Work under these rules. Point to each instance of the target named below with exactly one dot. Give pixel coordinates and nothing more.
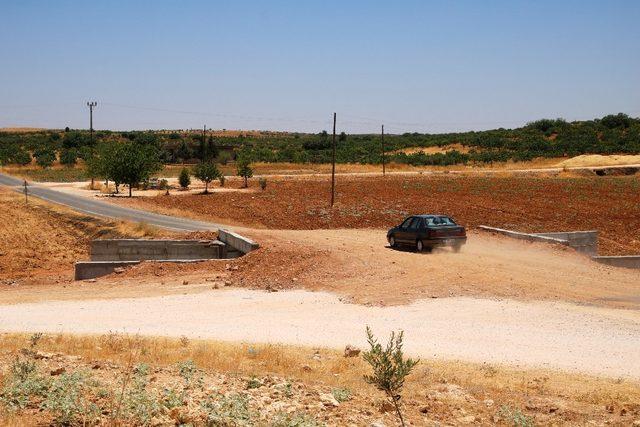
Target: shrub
(45, 157)
(263, 183)
(222, 180)
(65, 398)
(283, 419)
(68, 156)
(22, 384)
(185, 178)
(341, 394)
(390, 368)
(515, 417)
(231, 410)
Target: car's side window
(406, 223)
(415, 223)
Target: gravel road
(523, 334)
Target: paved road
(95, 207)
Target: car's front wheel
(392, 241)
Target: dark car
(425, 232)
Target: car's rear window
(445, 220)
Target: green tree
(184, 179)
(45, 157)
(206, 172)
(390, 368)
(244, 170)
(68, 156)
(19, 155)
(129, 162)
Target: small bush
(66, 400)
(390, 368)
(222, 179)
(263, 183)
(185, 178)
(231, 410)
(22, 384)
(282, 419)
(341, 394)
(515, 417)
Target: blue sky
(427, 66)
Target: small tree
(68, 156)
(222, 179)
(184, 179)
(206, 172)
(263, 183)
(45, 157)
(389, 367)
(245, 171)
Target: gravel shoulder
(522, 334)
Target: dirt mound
(587, 160)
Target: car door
(402, 235)
(413, 230)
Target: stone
(377, 423)
(58, 371)
(386, 406)
(118, 270)
(469, 419)
(306, 368)
(351, 351)
(327, 399)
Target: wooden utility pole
(91, 105)
(26, 192)
(382, 143)
(333, 162)
(204, 143)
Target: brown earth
(41, 241)
(610, 205)
(117, 371)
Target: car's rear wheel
(392, 241)
(419, 246)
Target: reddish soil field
(525, 203)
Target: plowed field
(525, 203)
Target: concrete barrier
(524, 236)
(92, 269)
(140, 250)
(236, 241)
(626, 261)
(585, 242)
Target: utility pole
(204, 143)
(333, 162)
(382, 143)
(91, 104)
(26, 192)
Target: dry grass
(443, 390)
(43, 238)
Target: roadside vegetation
(121, 379)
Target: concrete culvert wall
(140, 250)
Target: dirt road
(548, 335)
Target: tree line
(611, 134)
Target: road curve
(95, 207)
